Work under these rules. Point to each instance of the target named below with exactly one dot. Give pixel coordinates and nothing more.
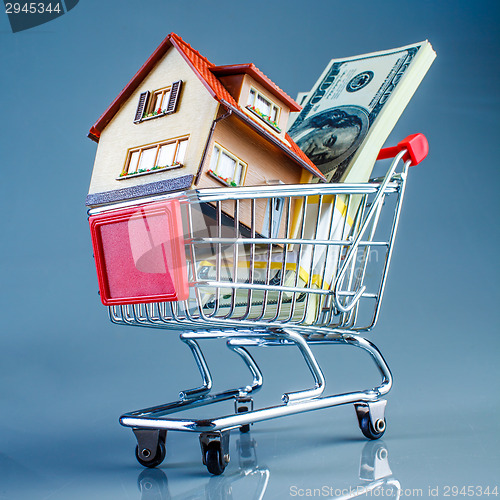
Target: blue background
(66, 373)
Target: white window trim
(239, 161)
(176, 163)
(148, 113)
(265, 118)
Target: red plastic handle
(416, 146)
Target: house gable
(196, 109)
(125, 138)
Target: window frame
(147, 102)
(125, 174)
(267, 119)
(238, 161)
(152, 100)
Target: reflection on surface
(153, 485)
(374, 470)
(250, 480)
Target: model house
(183, 123)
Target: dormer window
(264, 108)
(158, 103)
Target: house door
(272, 218)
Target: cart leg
(319, 379)
(371, 414)
(215, 451)
(150, 450)
(371, 418)
(257, 382)
(207, 383)
(378, 359)
(242, 405)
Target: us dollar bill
(354, 106)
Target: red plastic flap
(416, 146)
(139, 254)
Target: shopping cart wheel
(150, 450)
(371, 418)
(215, 451)
(213, 458)
(157, 459)
(368, 429)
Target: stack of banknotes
(353, 107)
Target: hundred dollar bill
(354, 105)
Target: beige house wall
(267, 164)
(196, 110)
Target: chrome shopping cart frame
(249, 292)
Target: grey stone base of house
(132, 192)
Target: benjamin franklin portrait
(331, 136)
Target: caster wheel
(145, 458)
(368, 429)
(214, 460)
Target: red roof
(256, 74)
(202, 67)
(206, 72)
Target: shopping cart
(312, 273)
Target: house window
(155, 157)
(158, 103)
(159, 100)
(264, 108)
(226, 167)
